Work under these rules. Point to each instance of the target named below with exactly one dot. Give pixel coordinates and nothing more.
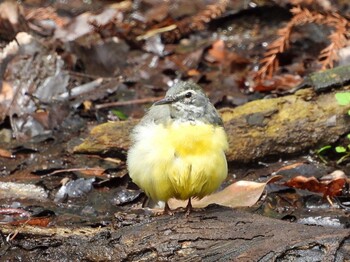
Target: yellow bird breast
(180, 160)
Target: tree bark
(213, 234)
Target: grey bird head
(186, 101)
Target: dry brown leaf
(280, 82)
(193, 72)
(239, 194)
(217, 52)
(292, 166)
(327, 188)
(96, 171)
(5, 153)
(34, 221)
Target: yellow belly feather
(179, 160)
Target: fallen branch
(213, 234)
(258, 129)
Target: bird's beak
(165, 100)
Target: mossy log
(258, 129)
(213, 234)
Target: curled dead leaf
(326, 187)
(239, 194)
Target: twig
(156, 31)
(73, 170)
(130, 102)
(14, 211)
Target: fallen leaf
(308, 183)
(42, 117)
(335, 187)
(37, 15)
(326, 187)
(217, 53)
(34, 221)
(292, 166)
(239, 194)
(281, 82)
(81, 24)
(232, 61)
(5, 153)
(334, 175)
(193, 72)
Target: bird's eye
(188, 95)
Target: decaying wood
(258, 129)
(213, 234)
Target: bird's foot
(167, 210)
(188, 208)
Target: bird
(178, 148)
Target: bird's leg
(167, 210)
(188, 208)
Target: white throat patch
(189, 112)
